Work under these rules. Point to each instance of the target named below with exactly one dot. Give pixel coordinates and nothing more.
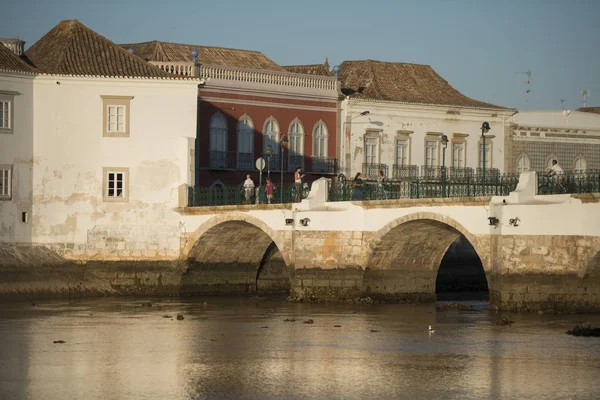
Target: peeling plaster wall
(389, 118)
(16, 150)
(70, 152)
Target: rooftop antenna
(528, 82)
(562, 103)
(585, 94)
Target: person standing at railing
(269, 190)
(381, 182)
(248, 188)
(556, 173)
(298, 184)
(357, 187)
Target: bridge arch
(405, 255)
(230, 252)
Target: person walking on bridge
(248, 189)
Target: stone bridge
(538, 252)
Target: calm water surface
(242, 348)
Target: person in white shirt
(248, 188)
(555, 169)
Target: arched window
(523, 164)
(296, 149)
(245, 130)
(580, 164)
(218, 141)
(271, 135)
(320, 140)
(549, 160)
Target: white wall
(16, 149)
(69, 213)
(392, 117)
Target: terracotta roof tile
(9, 61)
(310, 69)
(595, 110)
(72, 48)
(402, 82)
(176, 52)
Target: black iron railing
(323, 165)
(370, 171)
(423, 187)
(219, 195)
(222, 159)
(296, 162)
(573, 182)
(403, 172)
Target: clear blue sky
(476, 45)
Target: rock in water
(59, 341)
(308, 321)
(585, 330)
(505, 321)
(179, 317)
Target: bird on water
(431, 330)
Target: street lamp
(268, 152)
(485, 128)
(444, 141)
(283, 140)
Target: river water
(237, 348)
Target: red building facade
(251, 107)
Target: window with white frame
(115, 184)
(271, 135)
(320, 136)
(458, 155)
(431, 153)
(580, 164)
(245, 130)
(116, 116)
(5, 114)
(371, 149)
(5, 182)
(401, 152)
(485, 155)
(296, 149)
(523, 164)
(218, 133)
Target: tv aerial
(585, 94)
(562, 103)
(528, 82)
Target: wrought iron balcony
(273, 162)
(403, 172)
(491, 174)
(245, 161)
(459, 173)
(222, 159)
(295, 162)
(370, 171)
(428, 172)
(323, 165)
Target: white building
(394, 116)
(570, 137)
(97, 143)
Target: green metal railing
(220, 195)
(422, 187)
(578, 182)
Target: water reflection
(240, 348)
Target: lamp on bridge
(268, 153)
(282, 141)
(493, 221)
(485, 128)
(444, 141)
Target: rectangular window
(431, 153)
(401, 152)
(458, 155)
(488, 155)
(5, 182)
(371, 150)
(115, 184)
(5, 114)
(115, 116)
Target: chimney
(15, 45)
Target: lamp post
(283, 140)
(268, 152)
(444, 141)
(485, 128)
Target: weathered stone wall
(555, 273)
